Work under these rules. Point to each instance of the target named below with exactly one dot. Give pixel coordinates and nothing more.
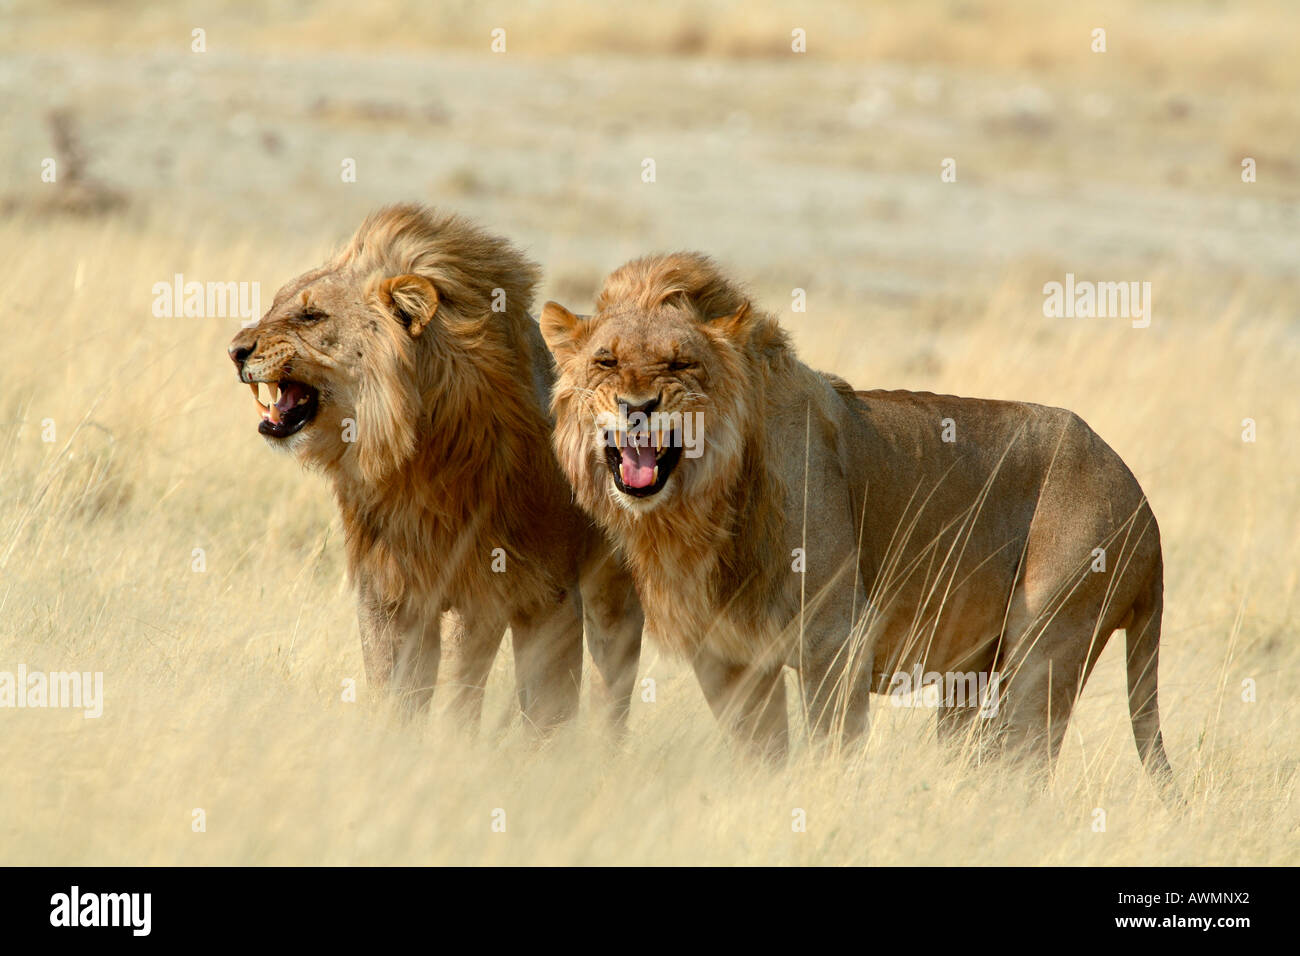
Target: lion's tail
(1143, 639)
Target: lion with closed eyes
(773, 516)
(408, 370)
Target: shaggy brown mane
(647, 283)
(465, 263)
(479, 435)
(729, 533)
(428, 412)
(746, 517)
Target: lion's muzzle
(290, 405)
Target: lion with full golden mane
(773, 516)
(408, 370)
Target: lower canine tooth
(656, 481)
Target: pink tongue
(638, 466)
(290, 392)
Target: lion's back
(1012, 465)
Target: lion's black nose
(645, 407)
(238, 353)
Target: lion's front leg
(749, 701)
(548, 661)
(836, 687)
(835, 664)
(476, 639)
(401, 648)
(614, 621)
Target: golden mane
(417, 383)
(478, 433)
(647, 283)
(466, 264)
(726, 534)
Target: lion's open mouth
(641, 462)
(289, 407)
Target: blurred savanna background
(146, 531)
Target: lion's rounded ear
(562, 330)
(737, 326)
(412, 299)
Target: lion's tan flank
(972, 555)
(409, 371)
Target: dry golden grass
(223, 688)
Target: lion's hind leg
(1048, 653)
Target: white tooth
(656, 481)
(274, 388)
